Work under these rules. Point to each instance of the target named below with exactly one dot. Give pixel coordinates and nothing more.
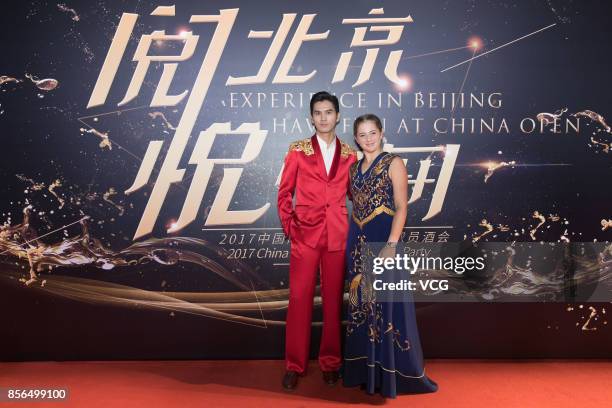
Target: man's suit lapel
(336, 161)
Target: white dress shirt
(327, 151)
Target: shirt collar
(323, 143)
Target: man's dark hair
(324, 96)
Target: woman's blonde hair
(364, 118)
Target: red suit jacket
(320, 199)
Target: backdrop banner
(143, 144)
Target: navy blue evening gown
(382, 350)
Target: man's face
(324, 116)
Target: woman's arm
(399, 178)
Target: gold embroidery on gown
(371, 198)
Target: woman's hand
(388, 251)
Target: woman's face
(369, 137)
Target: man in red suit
(316, 174)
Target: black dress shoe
(290, 380)
(331, 377)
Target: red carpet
(251, 384)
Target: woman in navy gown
(382, 349)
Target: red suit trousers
(304, 264)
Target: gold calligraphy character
(169, 172)
(450, 152)
(282, 74)
(393, 37)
